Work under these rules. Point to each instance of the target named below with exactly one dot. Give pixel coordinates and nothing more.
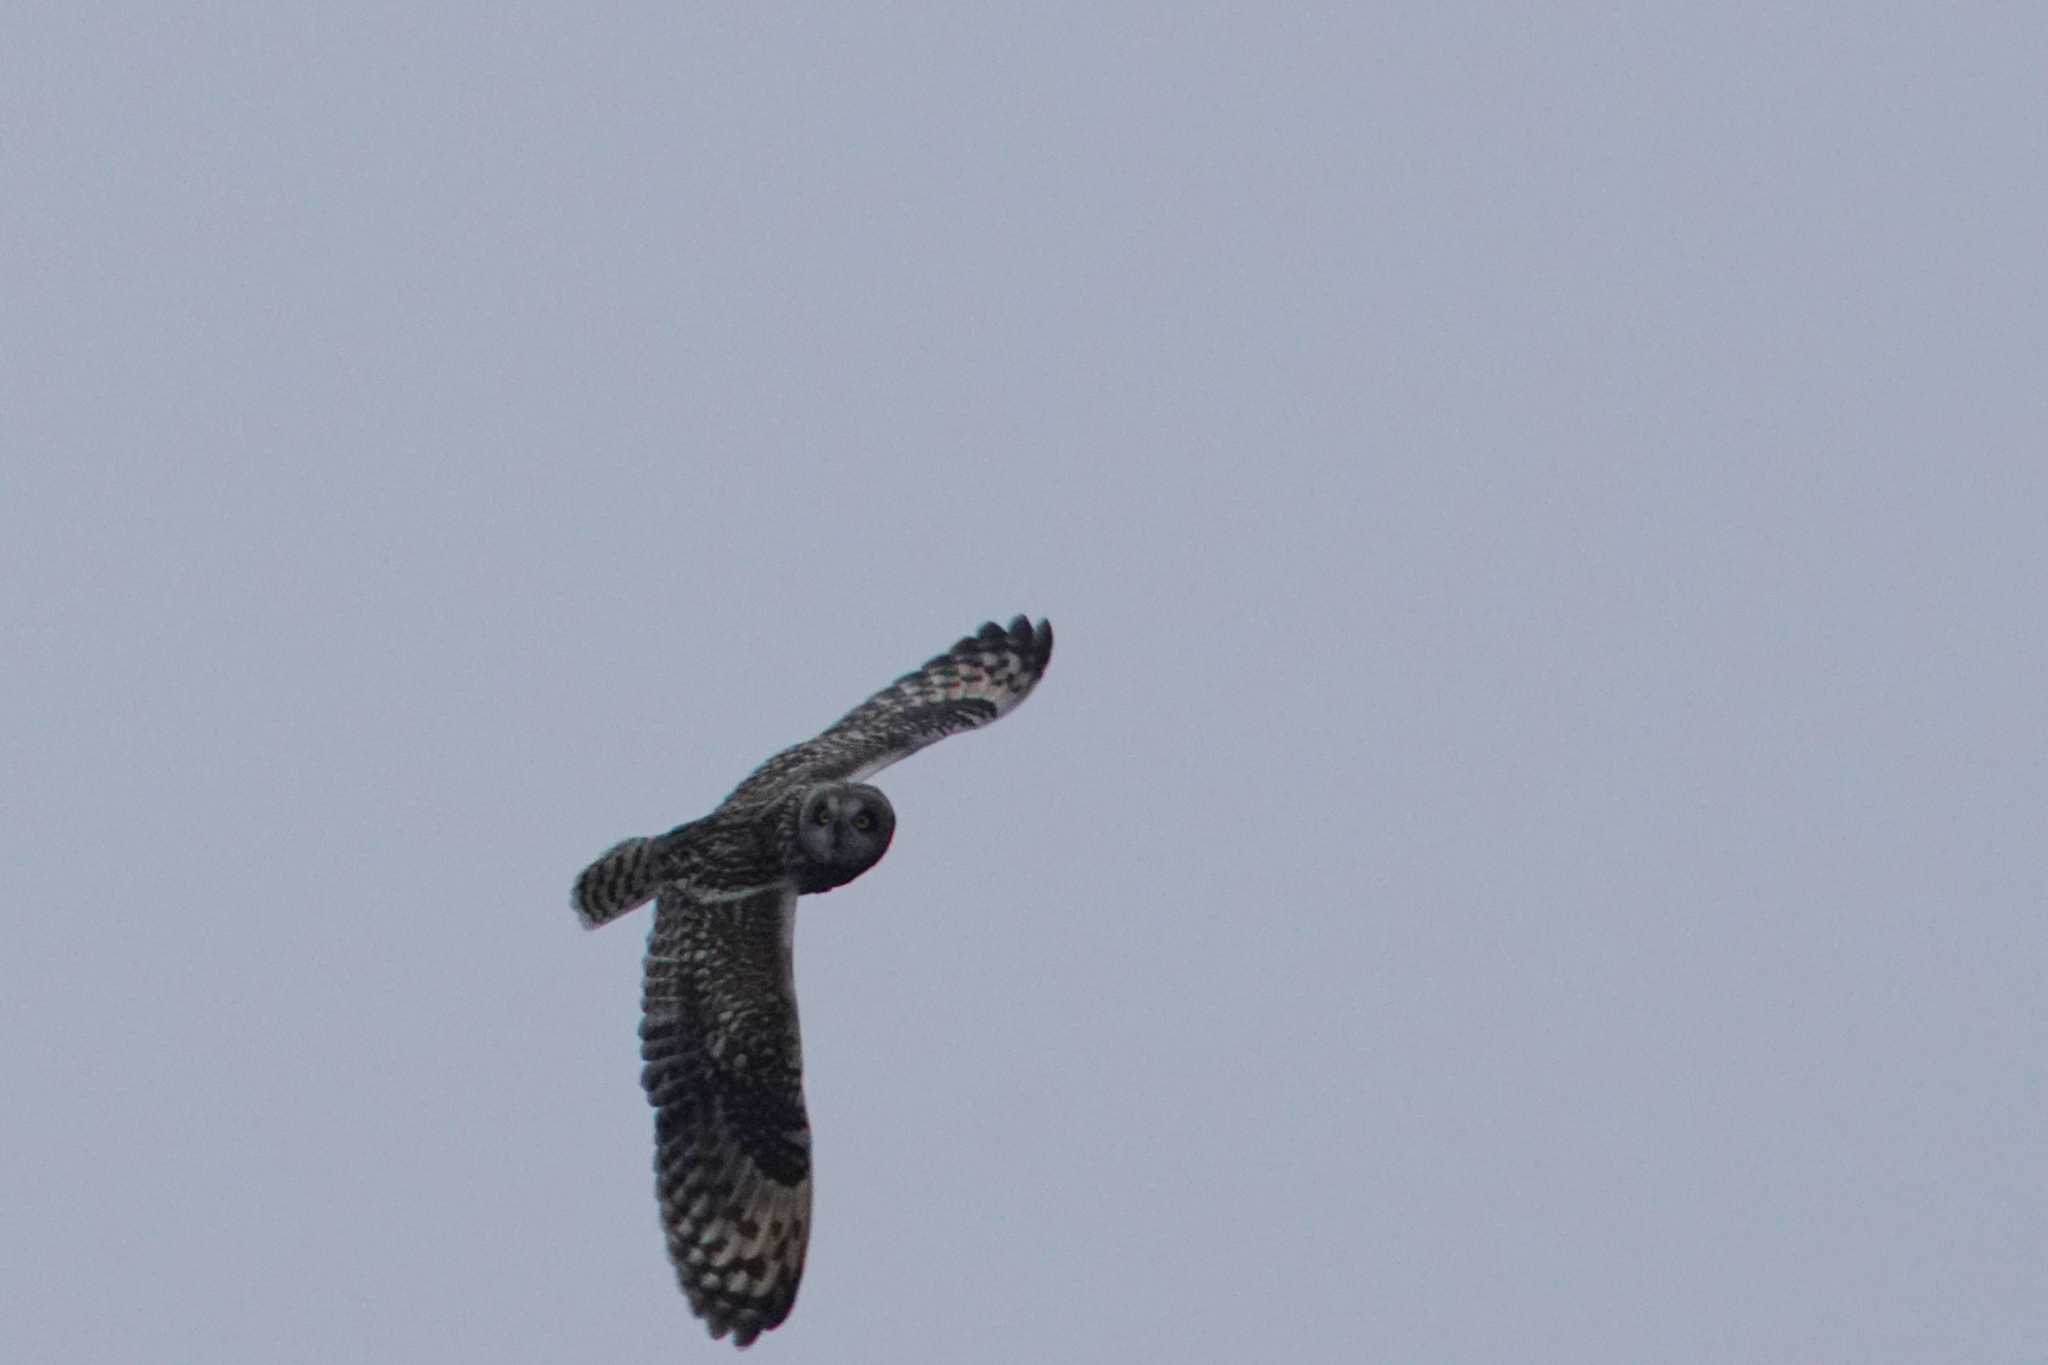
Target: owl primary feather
(722, 1064)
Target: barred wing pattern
(724, 1073)
(723, 1062)
(981, 678)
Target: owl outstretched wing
(981, 678)
(724, 1072)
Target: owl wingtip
(1034, 642)
(744, 1330)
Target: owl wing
(724, 1072)
(982, 677)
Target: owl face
(843, 829)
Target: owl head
(842, 830)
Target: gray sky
(1530, 847)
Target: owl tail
(627, 875)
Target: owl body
(810, 838)
(722, 1058)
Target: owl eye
(824, 815)
(863, 822)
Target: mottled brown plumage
(723, 1064)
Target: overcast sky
(1530, 848)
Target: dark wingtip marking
(1033, 642)
(745, 1319)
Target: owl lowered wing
(981, 678)
(724, 1072)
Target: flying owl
(723, 1065)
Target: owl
(722, 1064)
